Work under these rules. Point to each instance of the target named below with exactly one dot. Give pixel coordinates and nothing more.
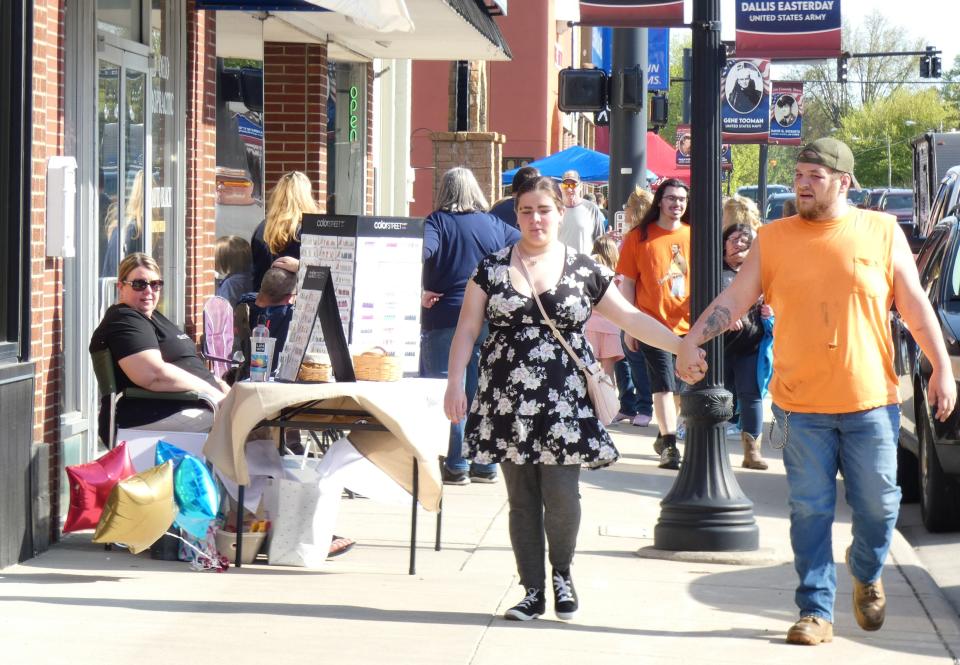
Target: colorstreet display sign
(786, 113)
(745, 103)
(632, 13)
(787, 29)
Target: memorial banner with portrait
(785, 29)
(683, 144)
(786, 113)
(745, 101)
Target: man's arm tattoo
(716, 323)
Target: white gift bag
(299, 533)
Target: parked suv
(751, 191)
(928, 454)
(945, 202)
(856, 197)
(872, 202)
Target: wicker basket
(315, 373)
(376, 365)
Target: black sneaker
(664, 441)
(529, 608)
(454, 477)
(488, 477)
(658, 444)
(565, 601)
(670, 458)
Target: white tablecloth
(410, 409)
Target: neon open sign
(354, 104)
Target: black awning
(477, 15)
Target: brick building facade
(128, 88)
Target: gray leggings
(542, 497)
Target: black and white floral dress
(531, 405)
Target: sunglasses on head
(142, 284)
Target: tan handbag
(600, 388)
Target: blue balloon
(195, 492)
(167, 451)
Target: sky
(933, 20)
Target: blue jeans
(632, 383)
(434, 356)
(864, 445)
(741, 380)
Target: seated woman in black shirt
(149, 351)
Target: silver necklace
(531, 261)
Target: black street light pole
(705, 509)
(628, 129)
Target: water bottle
(260, 352)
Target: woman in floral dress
(532, 414)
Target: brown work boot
(751, 452)
(869, 601)
(810, 631)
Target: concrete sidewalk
(80, 604)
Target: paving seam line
(903, 553)
(483, 535)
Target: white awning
(442, 30)
(382, 16)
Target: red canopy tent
(661, 156)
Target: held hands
(429, 298)
(766, 311)
(942, 393)
(455, 402)
(691, 363)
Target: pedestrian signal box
(582, 90)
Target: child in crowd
(232, 262)
(603, 336)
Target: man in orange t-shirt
(654, 262)
(832, 273)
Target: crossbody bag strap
(546, 319)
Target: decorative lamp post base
(705, 509)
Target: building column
(201, 195)
(295, 91)
(481, 152)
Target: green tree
(951, 84)
(869, 79)
(880, 134)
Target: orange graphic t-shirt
(660, 265)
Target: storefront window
(122, 18)
(347, 137)
(13, 70)
(163, 129)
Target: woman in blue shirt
(456, 236)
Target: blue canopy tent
(592, 166)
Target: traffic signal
(842, 69)
(629, 89)
(582, 90)
(659, 110)
(924, 66)
(935, 67)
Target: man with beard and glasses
(653, 262)
(832, 273)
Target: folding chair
(107, 383)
